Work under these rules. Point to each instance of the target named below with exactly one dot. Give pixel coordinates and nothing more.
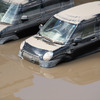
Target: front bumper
(35, 59)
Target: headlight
(22, 45)
(47, 56)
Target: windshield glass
(57, 30)
(7, 12)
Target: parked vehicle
(15, 17)
(68, 34)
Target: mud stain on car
(23, 80)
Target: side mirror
(77, 40)
(24, 18)
(40, 26)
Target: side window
(51, 6)
(64, 2)
(88, 29)
(98, 25)
(32, 12)
(50, 2)
(78, 32)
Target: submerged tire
(9, 38)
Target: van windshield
(7, 12)
(57, 30)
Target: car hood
(3, 26)
(38, 43)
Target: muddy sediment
(23, 80)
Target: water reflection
(82, 71)
(13, 76)
(17, 74)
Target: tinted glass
(50, 2)
(98, 24)
(3, 8)
(51, 7)
(32, 12)
(10, 14)
(88, 30)
(57, 30)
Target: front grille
(30, 57)
(32, 54)
(32, 49)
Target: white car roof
(82, 12)
(17, 1)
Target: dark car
(69, 34)
(16, 16)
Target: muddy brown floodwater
(22, 80)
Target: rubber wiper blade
(5, 23)
(47, 38)
(58, 42)
(38, 37)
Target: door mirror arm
(40, 26)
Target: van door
(11, 18)
(30, 15)
(50, 7)
(97, 28)
(65, 4)
(89, 40)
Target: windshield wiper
(44, 38)
(50, 40)
(58, 42)
(38, 37)
(4, 23)
(47, 38)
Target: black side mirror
(24, 18)
(77, 40)
(40, 26)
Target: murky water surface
(22, 80)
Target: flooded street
(23, 80)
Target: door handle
(93, 38)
